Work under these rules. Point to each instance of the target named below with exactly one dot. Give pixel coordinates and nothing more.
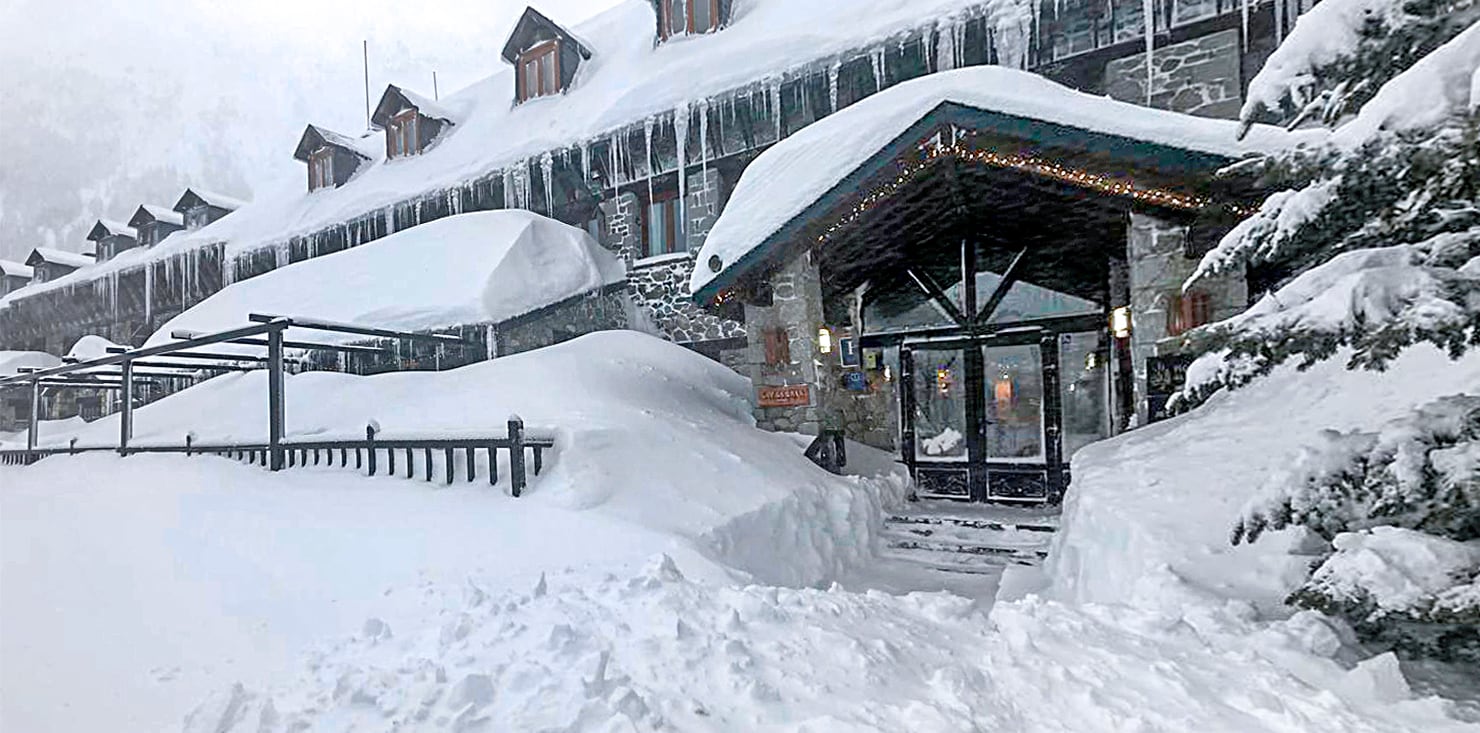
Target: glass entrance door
(937, 421)
(1014, 446)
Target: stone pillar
(1159, 265)
(702, 206)
(623, 234)
(796, 308)
(1198, 77)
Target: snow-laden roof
(626, 80)
(59, 257)
(12, 361)
(91, 346)
(366, 146)
(209, 198)
(424, 105)
(789, 177)
(15, 269)
(151, 212)
(108, 228)
(464, 269)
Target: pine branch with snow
(1419, 472)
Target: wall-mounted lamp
(824, 341)
(1120, 322)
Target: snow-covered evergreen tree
(1379, 221)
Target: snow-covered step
(968, 538)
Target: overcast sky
(107, 105)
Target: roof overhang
(1157, 164)
(315, 138)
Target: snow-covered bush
(1408, 590)
(1379, 227)
(1401, 507)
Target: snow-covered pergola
(476, 268)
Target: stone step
(968, 536)
(955, 562)
(937, 547)
(1043, 525)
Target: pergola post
(275, 399)
(126, 410)
(35, 416)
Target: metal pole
(275, 398)
(365, 45)
(126, 410)
(35, 416)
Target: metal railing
(526, 454)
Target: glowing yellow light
(824, 340)
(1120, 322)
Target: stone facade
(1159, 265)
(796, 309)
(596, 311)
(1199, 77)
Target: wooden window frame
(674, 231)
(666, 8)
(401, 139)
(533, 55)
(321, 168)
(1186, 311)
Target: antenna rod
(365, 45)
(435, 95)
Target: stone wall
(1198, 77)
(563, 321)
(1159, 265)
(796, 308)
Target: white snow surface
(460, 270)
(783, 181)
(1399, 569)
(12, 361)
(60, 257)
(670, 569)
(626, 81)
(16, 269)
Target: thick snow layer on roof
(162, 213)
(1436, 87)
(625, 81)
(91, 346)
(15, 269)
(429, 107)
(113, 228)
(220, 200)
(789, 177)
(465, 269)
(61, 257)
(12, 361)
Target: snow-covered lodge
(904, 299)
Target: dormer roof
(315, 137)
(109, 228)
(149, 213)
(11, 268)
(395, 100)
(50, 256)
(194, 197)
(533, 27)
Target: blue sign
(848, 351)
(855, 382)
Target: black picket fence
(374, 454)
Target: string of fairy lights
(1016, 161)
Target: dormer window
(400, 135)
(686, 17)
(539, 71)
(321, 169)
(545, 57)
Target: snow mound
(464, 269)
(783, 181)
(91, 346)
(11, 362)
(1400, 570)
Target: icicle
(647, 133)
(1280, 9)
(586, 163)
(390, 220)
(490, 342)
(832, 85)
(681, 134)
(773, 97)
(547, 172)
(1148, 18)
(1244, 9)
(877, 57)
(704, 137)
(614, 150)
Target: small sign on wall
(848, 352)
(791, 395)
(855, 382)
